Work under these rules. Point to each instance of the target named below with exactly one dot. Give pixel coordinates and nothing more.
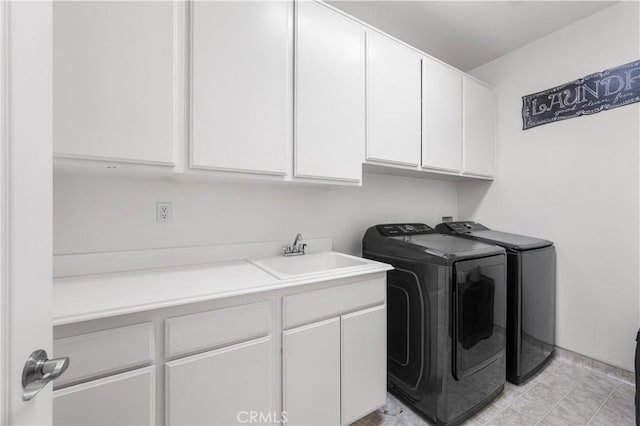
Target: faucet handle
(286, 249)
(304, 246)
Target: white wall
(574, 182)
(94, 214)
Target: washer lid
(513, 241)
(448, 245)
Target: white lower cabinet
(221, 387)
(220, 363)
(106, 352)
(335, 371)
(311, 374)
(122, 399)
(364, 362)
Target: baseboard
(597, 366)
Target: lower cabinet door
(232, 385)
(364, 362)
(311, 374)
(122, 399)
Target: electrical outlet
(163, 212)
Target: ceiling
(467, 34)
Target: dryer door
(479, 314)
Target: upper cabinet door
(441, 116)
(115, 79)
(330, 95)
(479, 129)
(242, 78)
(393, 101)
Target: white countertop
(89, 297)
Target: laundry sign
(597, 92)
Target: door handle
(39, 370)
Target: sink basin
(286, 267)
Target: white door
(221, 387)
(393, 101)
(26, 180)
(479, 129)
(330, 95)
(241, 86)
(441, 116)
(311, 374)
(364, 362)
(116, 68)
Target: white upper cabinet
(241, 86)
(393, 101)
(115, 79)
(441, 116)
(478, 129)
(280, 90)
(330, 95)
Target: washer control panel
(395, 229)
(465, 227)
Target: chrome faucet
(295, 249)
(297, 240)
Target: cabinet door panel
(317, 305)
(114, 80)
(393, 101)
(215, 387)
(311, 374)
(241, 86)
(105, 352)
(330, 99)
(220, 327)
(364, 362)
(442, 116)
(123, 399)
(479, 128)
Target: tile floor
(564, 393)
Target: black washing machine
(446, 319)
(531, 296)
